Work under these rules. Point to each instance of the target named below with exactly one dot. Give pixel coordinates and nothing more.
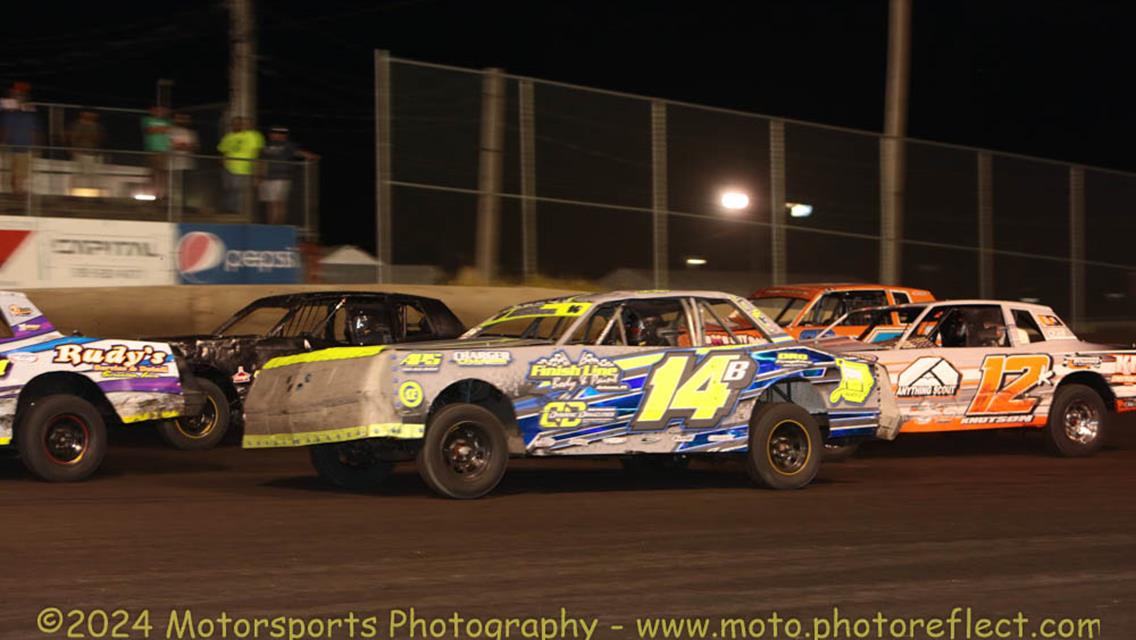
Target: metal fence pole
(985, 225)
(307, 199)
(777, 244)
(170, 195)
(659, 192)
(29, 182)
(489, 175)
(382, 166)
(528, 181)
(1076, 245)
(891, 209)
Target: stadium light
(695, 262)
(734, 200)
(799, 210)
(145, 197)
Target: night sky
(1035, 78)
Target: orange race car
(804, 310)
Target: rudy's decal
(856, 382)
(565, 415)
(115, 360)
(559, 373)
(699, 393)
(17, 310)
(928, 376)
(421, 362)
(410, 394)
(481, 358)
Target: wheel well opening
(1094, 381)
(221, 380)
(67, 384)
(481, 393)
(801, 393)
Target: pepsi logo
(199, 251)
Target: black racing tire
(350, 465)
(204, 431)
(654, 464)
(785, 446)
(61, 438)
(839, 452)
(464, 453)
(1078, 420)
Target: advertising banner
(19, 254)
(118, 253)
(237, 254)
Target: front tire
(465, 452)
(61, 438)
(350, 465)
(785, 446)
(204, 431)
(1077, 421)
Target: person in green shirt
(241, 148)
(156, 141)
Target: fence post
(307, 199)
(659, 192)
(1076, 245)
(528, 181)
(985, 225)
(489, 175)
(382, 166)
(779, 270)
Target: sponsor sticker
(558, 372)
(928, 376)
(115, 361)
(241, 376)
(565, 415)
(421, 362)
(482, 358)
(17, 310)
(410, 394)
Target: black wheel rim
(201, 425)
(66, 439)
(466, 449)
(788, 447)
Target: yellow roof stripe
(324, 355)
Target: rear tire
(785, 446)
(1077, 423)
(350, 465)
(203, 431)
(61, 438)
(465, 452)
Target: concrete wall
(129, 312)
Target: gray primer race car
(669, 373)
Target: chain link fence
(625, 191)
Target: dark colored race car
(226, 360)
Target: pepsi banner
(237, 254)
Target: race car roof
(809, 289)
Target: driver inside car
(370, 328)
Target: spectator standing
(156, 136)
(18, 134)
(241, 146)
(85, 137)
(183, 144)
(278, 171)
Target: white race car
(58, 392)
(963, 365)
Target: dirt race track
(912, 528)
